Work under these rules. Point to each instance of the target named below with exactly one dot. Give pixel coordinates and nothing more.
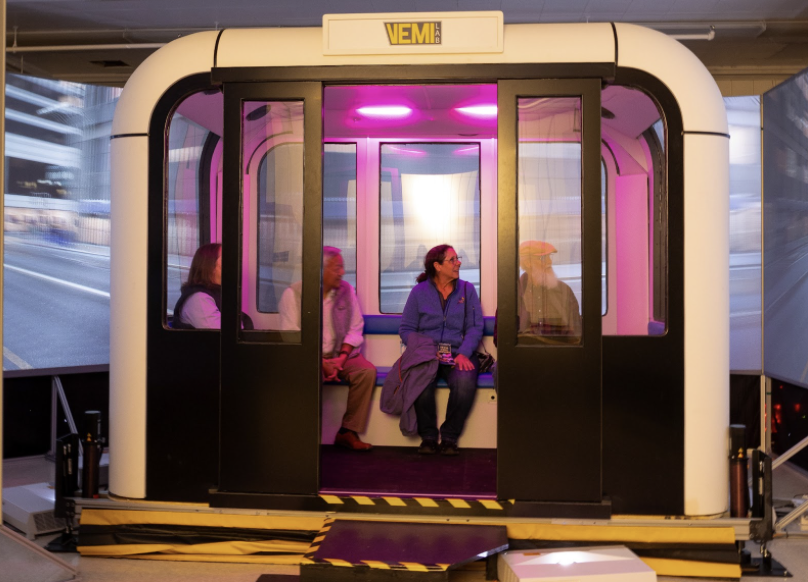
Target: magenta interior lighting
(478, 110)
(385, 111)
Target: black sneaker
(428, 447)
(449, 448)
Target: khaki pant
(360, 375)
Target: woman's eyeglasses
(454, 260)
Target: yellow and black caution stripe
(414, 504)
(317, 541)
(376, 565)
(196, 536)
(311, 558)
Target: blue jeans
(462, 389)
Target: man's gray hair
(329, 253)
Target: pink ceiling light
(385, 111)
(486, 111)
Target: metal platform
(363, 550)
(741, 526)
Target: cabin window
(280, 220)
(658, 207)
(636, 227)
(339, 203)
(429, 195)
(604, 240)
(191, 218)
(279, 204)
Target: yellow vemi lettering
(420, 35)
(404, 33)
(399, 33)
(392, 32)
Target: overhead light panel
(478, 110)
(385, 111)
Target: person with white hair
(343, 325)
(548, 310)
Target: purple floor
(422, 543)
(403, 472)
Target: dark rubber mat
(356, 542)
(402, 471)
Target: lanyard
(445, 310)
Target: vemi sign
(413, 32)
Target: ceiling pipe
(677, 30)
(709, 35)
(170, 34)
(84, 47)
(704, 31)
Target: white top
(200, 311)
(289, 308)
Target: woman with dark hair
(447, 310)
(200, 304)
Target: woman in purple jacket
(445, 308)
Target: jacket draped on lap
(412, 372)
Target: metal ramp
(347, 550)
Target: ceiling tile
(533, 6)
(700, 7)
(645, 9)
(564, 6)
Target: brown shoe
(350, 440)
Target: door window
(549, 201)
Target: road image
(56, 305)
(745, 313)
(787, 319)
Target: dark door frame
(266, 445)
(549, 415)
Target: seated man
(342, 335)
(548, 310)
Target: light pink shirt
(200, 311)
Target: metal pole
(58, 396)
(2, 209)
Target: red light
(797, 407)
(778, 406)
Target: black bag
(486, 361)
